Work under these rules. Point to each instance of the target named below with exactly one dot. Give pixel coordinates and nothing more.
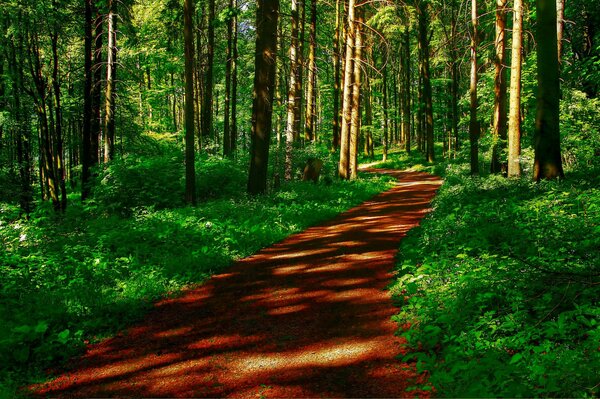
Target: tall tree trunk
(355, 116)
(87, 136)
(406, 114)
(59, 163)
(514, 115)
(97, 88)
(290, 131)
(335, 142)
(300, 71)
(310, 116)
(386, 133)
(367, 95)
(188, 38)
(111, 72)
(234, 82)
(344, 165)
(548, 162)
(267, 13)
(473, 122)
(560, 24)
(499, 119)
(426, 76)
(207, 106)
(228, 66)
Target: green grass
(500, 287)
(66, 280)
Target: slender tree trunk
(290, 131)
(560, 23)
(355, 116)
(234, 82)
(548, 162)
(344, 165)
(228, 66)
(207, 106)
(473, 122)
(499, 120)
(335, 142)
(367, 95)
(300, 72)
(97, 88)
(309, 119)
(111, 69)
(267, 13)
(514, 116)
(427, 101)
(188, 38)
(87, 136)
(59, 162)
(406, 114)
(386, 133)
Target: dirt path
(307, 317)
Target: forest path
(306, 317)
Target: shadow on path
(306, 317)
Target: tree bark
(426, 76)
(406, 115)
(335, 142)
(560, 24)
(207, 106)
(267, 13)
(290, 131)
(188, 38)
(310, 116)
(355, 116)
(386, 133)
(499, 120)
(548, 162)
(97, 88)
(87, 137)
(111, 70)
(344, 165)
(514, 116)
(473, 122)
(228, 67)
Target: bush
(499, 287)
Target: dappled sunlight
(306, 317)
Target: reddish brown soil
(307, 317)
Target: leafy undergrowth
(500, 287)
(67, 280)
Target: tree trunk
(560, 24)
(355, 116)
(207, 106)
(344, 165)
(310, 116)
(335, 141)
(59, 163)
(87, 136)
(290, 131)
(426, 76)
(548, 162)
(386, 133)
(228, 66)
(188, 38)
(499, 119)
(267, 13)
(111, 69)
(406, 115)
(97, 89)
(234, 82)
(514, 116)
(473, 122)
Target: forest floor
(306, 317)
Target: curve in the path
(307, 317)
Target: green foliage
(499, 287)
(69, 279)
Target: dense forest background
(116, 114)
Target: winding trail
(306, 317)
